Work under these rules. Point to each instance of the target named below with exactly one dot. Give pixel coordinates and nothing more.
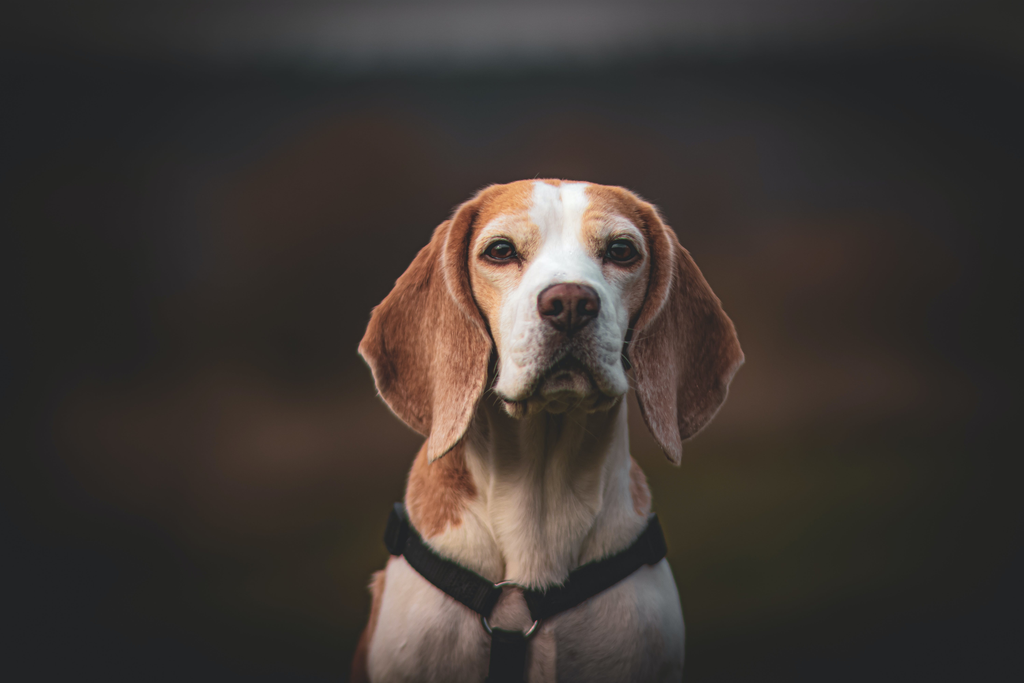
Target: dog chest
(630, 632)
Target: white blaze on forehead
(558, 214)
(558, 210)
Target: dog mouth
(568, 384)
(568, 376)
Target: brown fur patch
(505, 200)
(606, 200)
(638, 489)
(360, 674)
(438, 491)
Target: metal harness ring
(530, 632)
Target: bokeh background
(203, 201)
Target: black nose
(568, 307)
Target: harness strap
(508, 657)
(508, 648)
(468, 587)
(596, 577)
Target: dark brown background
(197, 471)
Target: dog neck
(531, 499)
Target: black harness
(508, 648)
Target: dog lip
(530, 390)
(566, 364)
(570, 356)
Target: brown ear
(427, 344)
(684, 348)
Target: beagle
(507, 343)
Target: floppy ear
(684, 348)
(427, 344)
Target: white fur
(552, 493)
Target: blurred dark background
(203, 201)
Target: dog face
(553, 279)
(559, 273)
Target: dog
(508, 343)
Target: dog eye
(621, 251)
(500, 251)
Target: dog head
(563, 285)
